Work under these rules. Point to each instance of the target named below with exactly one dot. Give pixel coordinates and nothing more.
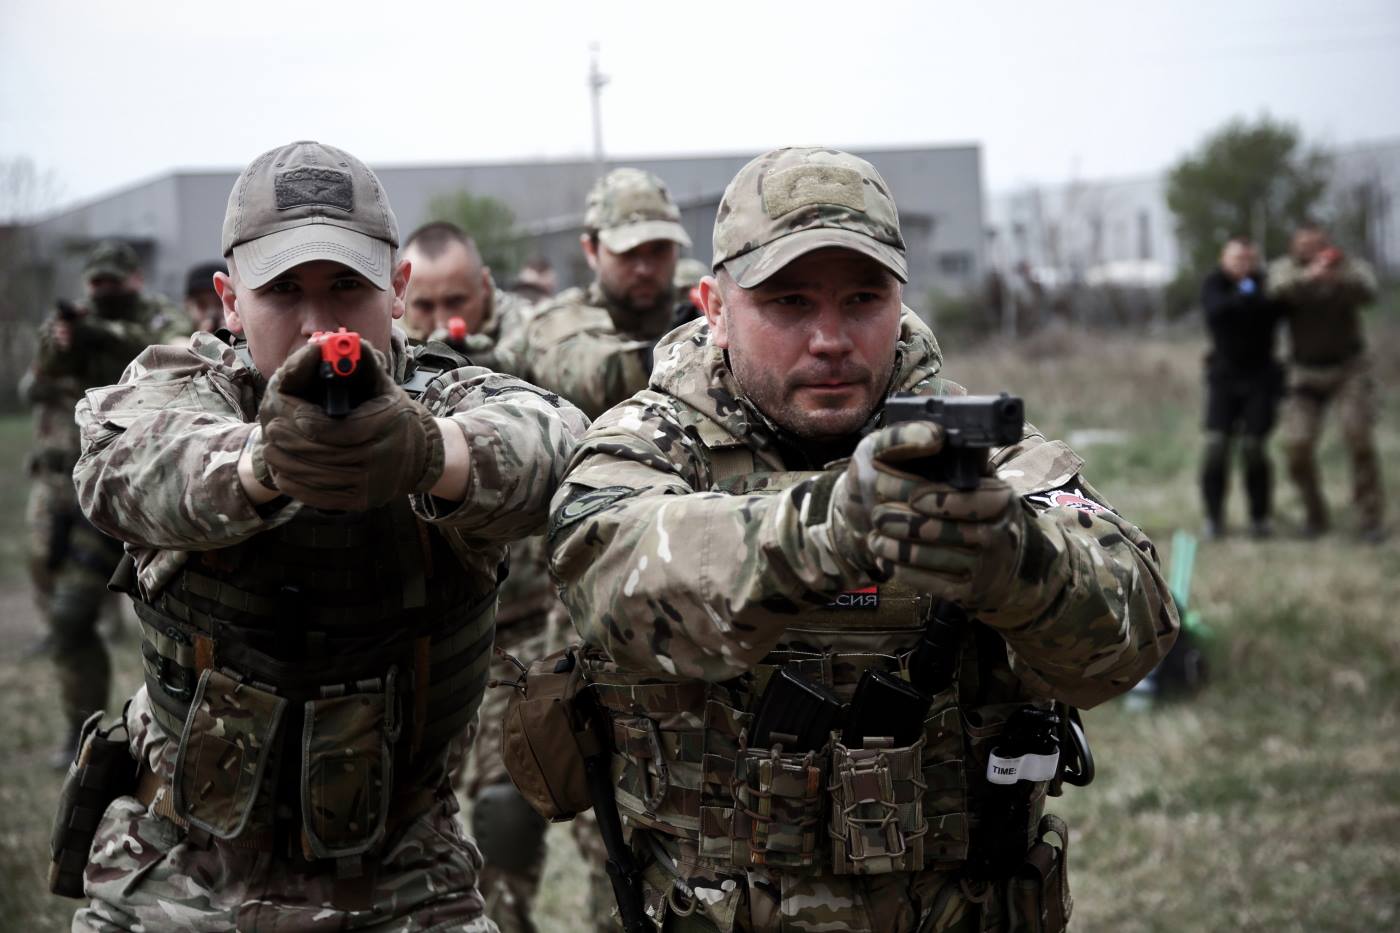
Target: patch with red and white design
(1067, 497)
(865, 598)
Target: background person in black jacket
(1243, 384)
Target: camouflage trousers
(511, 835)
(760, 901)
(146, 873)
(1349, 389)
(70, 563)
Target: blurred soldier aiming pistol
(81, 346)
(759, 516)
(1322, 291)
(1243, 384)
(316, 584)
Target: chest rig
(316, 671)
(684, 766)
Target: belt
(159, 797)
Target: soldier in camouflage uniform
(593, 346)
(748, 511)
(316, 593)
(1322, 293)
(79, 347)
(449, 281)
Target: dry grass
(1271, 802)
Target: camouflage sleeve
(592, 367)
(159, 464)
(520, 439)
(1285, 280)
(1355, 282)
(1093, 614)
(666, 578)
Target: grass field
(1270, 802)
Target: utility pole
(596, 81)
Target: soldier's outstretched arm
(160, 450)
(1092, 613)
(667, 578)
(518, 440)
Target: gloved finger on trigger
(909, 440)
(365, 424)
(986, 503)
(298, 373)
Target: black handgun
(794, 712)
(972, 426)
(66, 311)
(885, 706)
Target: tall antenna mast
(596, 81)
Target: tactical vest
(682, 765)
(320, 667)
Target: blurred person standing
(452, 296)
(536, 282)
(206, 312)
(593, 346)
(689, 272)
(1321, 292)
(81, 346)
(1243, 384)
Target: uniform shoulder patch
(1070, 495)
(585, 503)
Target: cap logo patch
(322, 186)
(806, 185)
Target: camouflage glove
(873, 477)
(965, 546)
(387, 446)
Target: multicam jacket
(577, 345)
(393, 608)
(679, 540)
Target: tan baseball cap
(306, 201)
(629, 207)
(111, 258)
(788, 202)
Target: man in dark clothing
(1243, 384)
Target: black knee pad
(508, 831)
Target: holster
(1038, 896)
(546, 737)
(102, 770)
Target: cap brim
(99, 271)
(755, 266)
(630, 236)
(260, 261)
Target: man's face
(105, 286)
(452, 284)
(204, 309)
(1237, 260)
(638, 280)
(321, 295)
(1307, 244)
(812, 346)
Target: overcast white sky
(107, 93)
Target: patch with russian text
(867, 598)
(1066, 497)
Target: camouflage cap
(788, 202)
(306, 201)
(111, 257)
(629, 207)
